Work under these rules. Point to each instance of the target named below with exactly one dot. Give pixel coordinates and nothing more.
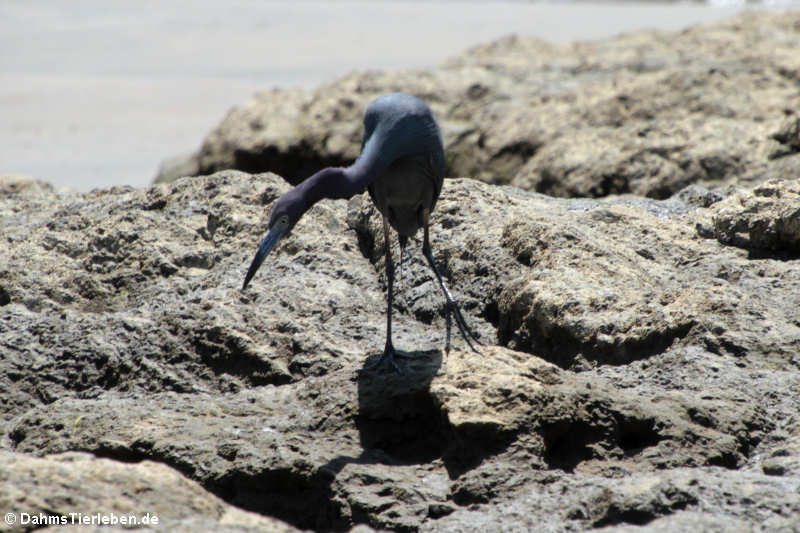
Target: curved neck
(335, 182)
(375, 156)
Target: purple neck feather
(337, 182)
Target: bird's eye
(283, 221)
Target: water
(96, 93)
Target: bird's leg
(452, 306)
(402, 249)
(389, 351)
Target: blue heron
(402, 166)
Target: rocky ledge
(641, 360)
(645, 113)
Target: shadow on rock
(397, 418)
(399, 427)
(400, 422)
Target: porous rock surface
(636, 369)
(74, 488)
(640, 367)
(765, 219)
(646, 113)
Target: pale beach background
(96, 93)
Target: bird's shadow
(400, 423)
(397, 420)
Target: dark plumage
(402, 166)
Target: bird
(402, 166)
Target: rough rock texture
(765, 219)
(59, 487)
(638, 369)
(646, 113)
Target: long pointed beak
(270, 240)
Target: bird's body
(401, 191)
(402, 166)
(413, 177)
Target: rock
(766, 218)
(177, 167)
(78, 490)
(611, 282)
(701, 499)
(697, 196)
(789, 137)
(254, 137)
(647, 113)
(634, 371)
(783, 460)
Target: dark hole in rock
(300, 498)
(567, 443)
(295, 164)
(637, 517)
(5, 298)
(561, 345)
(471, 444)
(725, 459)
(634, 435)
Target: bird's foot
(389, 355)
(466, 333)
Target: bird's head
(284, 215)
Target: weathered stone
(178, 167)
(789, 137)
(77, 490)
(640, 364)
(634, 371)
(646, 113)
(701, 499)
(394, 452)
(766, 218)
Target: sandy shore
(94, 95)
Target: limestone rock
(646, 113)
(634, 371)
(178, 167)
(766, 218)
(77, 490)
